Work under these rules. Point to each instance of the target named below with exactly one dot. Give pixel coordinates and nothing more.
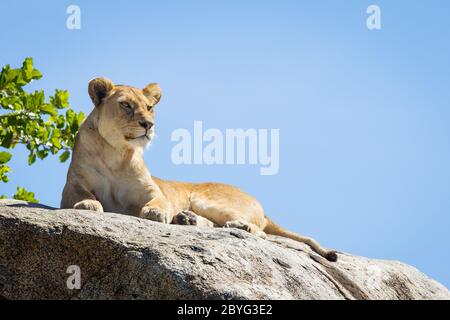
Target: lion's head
(126, 114)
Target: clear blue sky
(363, 115)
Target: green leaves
(25, 195)
(32, 120)
(31, 158)
(19, 77)
(49, 109)
(61, 99)
(64, 156)
(4, 169)
(5, 157)
(28, 72)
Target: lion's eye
(126, 105)
(149, 108)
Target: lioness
(108, 173)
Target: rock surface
(122, 257)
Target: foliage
(23, 194)
(29, 119)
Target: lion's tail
(274, 229)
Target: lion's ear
(98, 89)
(153, 92)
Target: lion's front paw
(89, 204)
(155, 214)
(189, 218)
(185, 218)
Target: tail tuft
(272, 228)
(331, 256)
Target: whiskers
(138, 136)
(152, 135)
(131, 133)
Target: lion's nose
(147, 125)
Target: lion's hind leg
(247, 226)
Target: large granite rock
(122, 257)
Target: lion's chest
(119, 192)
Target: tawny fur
(107, 172)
